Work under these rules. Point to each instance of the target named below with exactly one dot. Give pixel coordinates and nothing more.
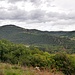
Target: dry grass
(8, 69)
(41, 72)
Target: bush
(63, 63)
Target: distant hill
(32, 36)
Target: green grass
(7, 69)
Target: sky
(45, 15)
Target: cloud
(39, 3)
(34, 2)
(36, 16)
(39, 13)
(2, 8)
(13, 12)
(14, 1)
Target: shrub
(63, 63)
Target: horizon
(34, 29)
(45, 15)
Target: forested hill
(32, 36)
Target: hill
(51, 42)
(31, 36)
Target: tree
(63, 63)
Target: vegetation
(51, 42)
(8, 69)
(50, 51)
(31, 56)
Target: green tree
(63, 63)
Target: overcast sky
(50, 15)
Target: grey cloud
(42, 16)
(36, 16)
(14, 1)
(36, 2)
(49, 3)
(60, 16)
(12, 8)
(33, 1)
(40, 2)
(21, 15)
(71, 15)
(13, 15)
(4, 15)
(1, 8)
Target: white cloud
(39, 14)
(65, 5)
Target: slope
(31, 36)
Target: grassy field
(8, 69)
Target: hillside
(51, 42)
(31, 36)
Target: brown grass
(5, 68)
(41, 72)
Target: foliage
(63, 63)
(47, 41)
(32, 56)
(51, 42)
